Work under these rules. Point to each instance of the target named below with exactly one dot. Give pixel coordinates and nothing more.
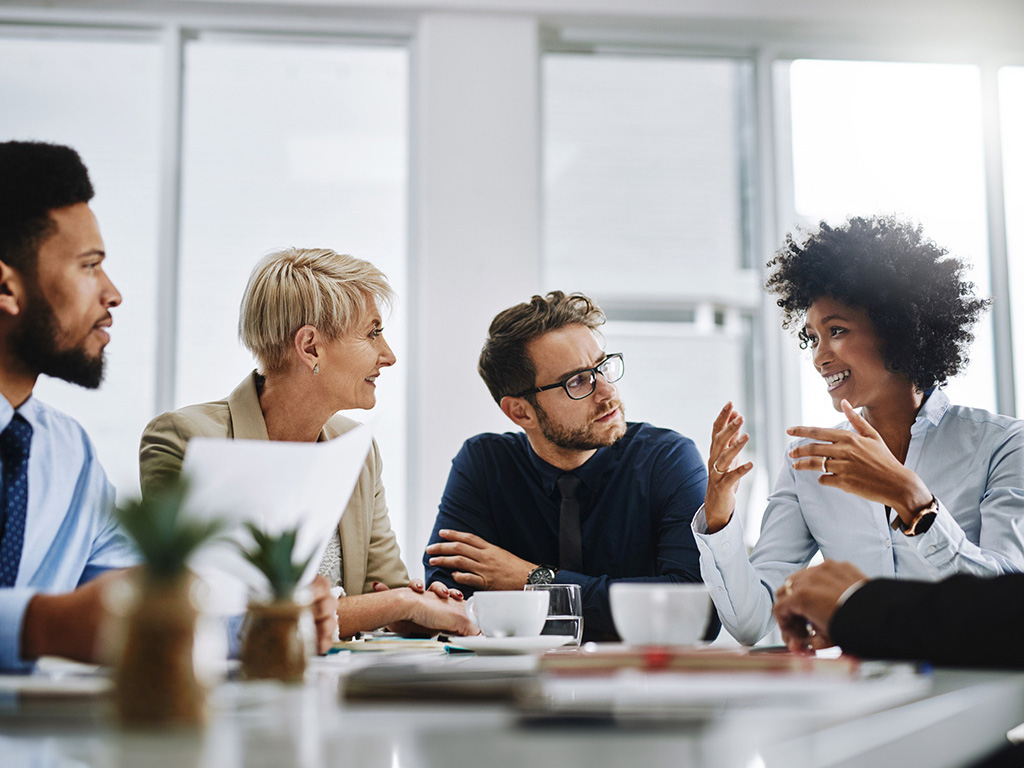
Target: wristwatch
(542, 574)
(922, 520)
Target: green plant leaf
(272, 555)
(166, 539)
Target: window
(646, 210)
(290, 145)
(284, 143)
(1011, 102)
(96, 94)
(882, 137)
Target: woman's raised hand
(723, 474)
(859, 462)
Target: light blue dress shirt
(970, 459)
(70, 534)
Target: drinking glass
(565, 609)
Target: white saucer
(509, 645)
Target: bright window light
(880, 137)
(98, 95)
(290, 144)
(1011, 104)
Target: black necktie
(14, 446)
(570, 541)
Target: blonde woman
(312, 319)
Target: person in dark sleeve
(964, 621)
(579, 496)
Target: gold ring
(824, 465)
(714, 466)
(787, 587)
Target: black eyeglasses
(583, 384)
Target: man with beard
(580, 496)
(59, 543)
(58, 535)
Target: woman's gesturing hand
(859, 462)
(723, 476)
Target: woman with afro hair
(909, 487)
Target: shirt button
(931, 549)
(721, 589)
(725, 545)
(888, 544)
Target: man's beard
(35, 343)
(579, 438)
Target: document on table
(459, 678)
(636, 694)
(56, 678)
(275, 486)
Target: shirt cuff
(13, 603)
(939, 545)
(723, 544)
(849, 592)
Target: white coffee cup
(508, 614)
(660, 614)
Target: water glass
(565, 609)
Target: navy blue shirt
(637, 500)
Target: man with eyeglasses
(579, 496)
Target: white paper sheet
(275, 486)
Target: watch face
(541, 575)
(923, 523)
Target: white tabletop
(956, 718)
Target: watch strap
(922, 520)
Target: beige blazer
(369, 548)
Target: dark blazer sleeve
(963, 621)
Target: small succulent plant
(166, 540)
(272, 555)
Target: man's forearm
(67, 624)
(49, 629)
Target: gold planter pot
(155, 676)
(275, 645)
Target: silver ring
(824, 465)
(787, 587)
(714, 466)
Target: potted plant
(155, 676)
(274, 645)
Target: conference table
(899, 716)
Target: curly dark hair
(505, 366)
(35, 178)
(914, 293)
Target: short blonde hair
(305, 286)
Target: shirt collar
(590, 473)
(932, 410)
(28, 411)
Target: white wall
(475, 230)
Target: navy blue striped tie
(15, 442)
